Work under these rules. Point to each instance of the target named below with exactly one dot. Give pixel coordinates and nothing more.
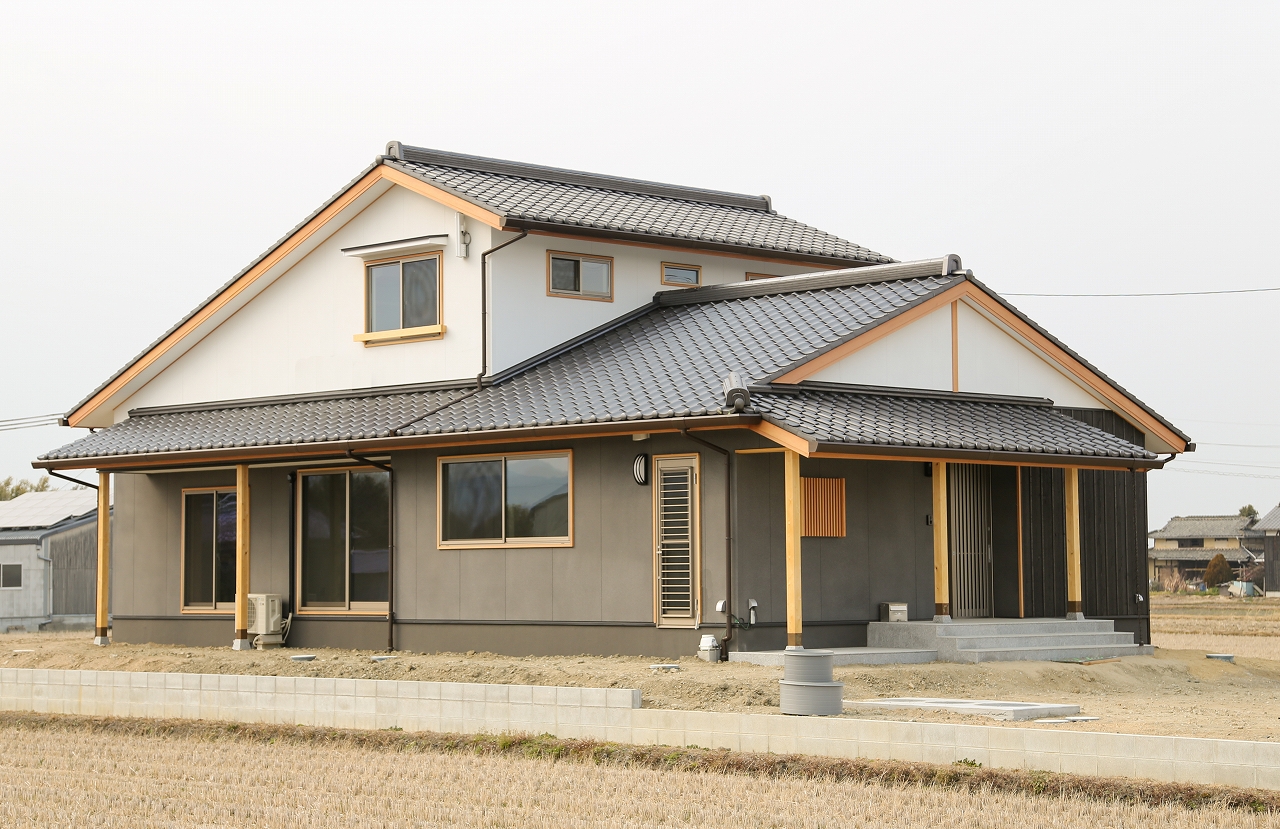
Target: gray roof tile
(1206, 526)
(1236, 554)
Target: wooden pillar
(1075, 604)
(242, 558)
(941, 546)
(102, 618)
(795, 529)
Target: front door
(969, 516)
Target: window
(402, 300)
(11, 576)
(753, 276)
(344, 536)
(1190, 542)
(823, 500)
(522, 500)
(209, 549)
(579, 275)
(685, 276)
(676, 530)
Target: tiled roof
(662, 361)
(525, 193)
(1270, 521)
(1235, 554)
(940, 422)
(1206, 526)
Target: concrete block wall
(615, 714)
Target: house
(472, 404)
(48, 560)
(1184, 546)
(1269, 526)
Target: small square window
(403, 296)
(684, 276)
(11, 575)
(577, 275)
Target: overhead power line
(29, 422)
(1228, 474)
(1157, 293)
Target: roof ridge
(948, 265)
(521, 169)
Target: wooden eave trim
(904, 318)
(278, 254)
(337, 449)
(614, 237)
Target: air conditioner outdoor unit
(264, 614)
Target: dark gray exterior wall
(594, 597)
(886, 554)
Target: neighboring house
(48, 560)
(1185, 545)
(1269, 526)
(472, 404)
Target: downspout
(391, 544)
(484, 305)
(730, 490)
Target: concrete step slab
(1044, 640)
(1054, 654)
(846, 656)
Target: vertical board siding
(1113, 519)
(824, 507)
(1271, 566)
(75, 570)
(969, 528)
(1044, 542)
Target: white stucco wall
(296, 336)
(917, 356)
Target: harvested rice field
(77, 772)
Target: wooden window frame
(751, 277)
(564, 254)
(694, 621)
(17, 564)
(503, 543)
(366, 608)
(371, 339)
(228, 609)
(662, 275)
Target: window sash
(689, 276)
(11, 576)
(519, 497)
(580, 275)
(344, 522)
(402, 294)
(208, 549)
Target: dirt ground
(1175, 692)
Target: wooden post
(795, 528)
(1075, 605)
(941, 546)
(102, 618)
(241, 642)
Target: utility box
(265, 618)
(893, 611)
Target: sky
(149, 152)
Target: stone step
(1049, 654)
(1039, 626)
(1051, 640)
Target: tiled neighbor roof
(525, 194)
(1207, 526)
(1200, 553)
(1270, 521)
(662, 361)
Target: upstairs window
(683, 276)
(209, 549)
(1190, 542)
(402, 300)
(580, 275)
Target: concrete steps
(1004, 640)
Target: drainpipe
(391, 544)
(730, 490)
(484, 305)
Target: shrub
(1218, 571)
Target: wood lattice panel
(823, 507)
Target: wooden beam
(782, 437)
(955, 345)
(102, 617)
(242, 557)
(1075, 604)
(795, 526)
(941, 545)
(1022, 608)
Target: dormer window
(580, 275)
(402, 300)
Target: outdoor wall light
(640, 469)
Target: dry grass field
(80, 774)
(1244, 627)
